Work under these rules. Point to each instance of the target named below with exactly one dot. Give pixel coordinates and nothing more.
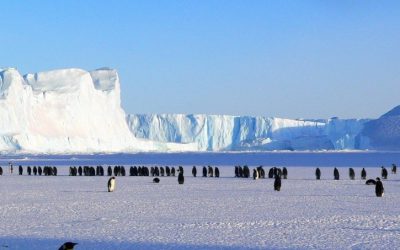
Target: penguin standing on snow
(68, 246)
(336, 174)
(318, 174)
(352, 174)
(277, 183)
(384, 172)
(181, 179)
(363, 174)
(255, 174)
(394, 168)
(194, 171)
(379, 190)
(111, 184)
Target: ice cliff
(222, 132)
(78, 111)
(65, 111)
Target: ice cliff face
(76, 111)
(222, 132)
(62, 111)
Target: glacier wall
(226, 133)
(78, 111)
(65, 111)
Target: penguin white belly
(111, 187)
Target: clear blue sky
(310, 59)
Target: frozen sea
(42, 212)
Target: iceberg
(78, 111)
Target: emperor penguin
(255, 174)
(68, 246)
(379, 190)
(277, 183)
(181, 179)
(111, 184)
(363, 174)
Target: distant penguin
(68, 246)
(210, 171)
(123, 171)
(318, 174)
(240, 172)
(172, 171)
(370, 182)
(236, 171)
(29, 170)
(181, 169)
(194, 171)
(277, 183)
(167, 171)
(204, 171)
(271, 173)
(352, 174)
(111, 184)
(384, 173)
(156, 180)
(181, 179)
(55, 171)
(40, 170)
(1, 171)
(284, 173)
(261, 173)
(20, 170)
(255, 174)
(363, 174)
(394, 168)
(109, 171)
(216, 172)
(162, 171)
(336, 174)
(246, 171)
(379, 190)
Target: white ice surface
(41, 212)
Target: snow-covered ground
(42, 212)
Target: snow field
(42, 212)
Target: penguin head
(378, 179)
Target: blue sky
(309, 59)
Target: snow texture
(42, 212)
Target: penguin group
(379, 189)
(36, 170)
(207, 171)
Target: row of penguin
(240, 172)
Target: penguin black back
(156, 180)
(379, 190)
(194, 171)
(68, 246)
(336, 174)
(277, 183)
(181, 179)
(318, 174)
(216, 171)
(351, 174)
(384, 173)
(363, 174)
